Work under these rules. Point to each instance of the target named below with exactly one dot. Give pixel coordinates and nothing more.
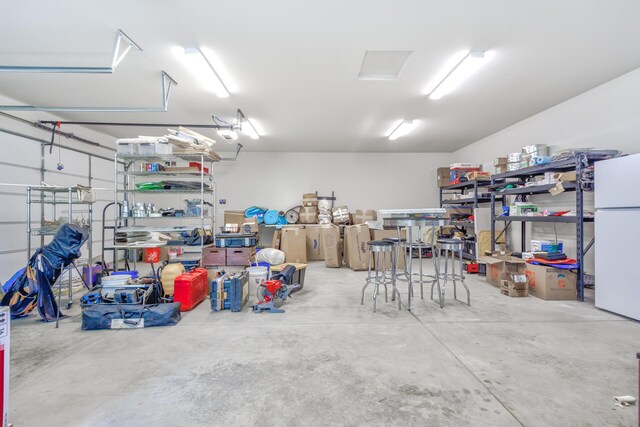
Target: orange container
(152, 255)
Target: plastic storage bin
(230, 292)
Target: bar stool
(397, 248)
(420, 246)
(450, 248)
(378, 251)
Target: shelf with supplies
(535, 189)
(193, 157)
(467, 184)
(466, 201)
(198, 194)
(574, 162)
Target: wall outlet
(223, 201)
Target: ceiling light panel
(200, 66)
(401, 128)
(383, 64)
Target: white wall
(360, 180)
(606, 117)
(20, 164)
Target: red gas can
(191, 288)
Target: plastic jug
(169, 273)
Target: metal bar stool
(378, 251)
(398, 250)
(451, 247)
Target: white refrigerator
(617, 234)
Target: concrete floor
(330, 361)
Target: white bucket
(257, 275)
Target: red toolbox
(191, 288)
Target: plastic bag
(270, 255)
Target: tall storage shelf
(577, 162)
(126, 194)
(480, 191)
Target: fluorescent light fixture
(228, 134)
(401, 128)
(202, 69)
(249, 129)
(462, 65)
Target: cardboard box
(309, 199)
(499, 267)
(549, 283)
(341, 215)
(308, 215)
(214, 257)
(443, 176)
(240, 256)
(356, 238)
(275, 241)
(294, 244)
(479, 176)
(331, 245)
(250, 225)
(501, 161)
(511, 289)
(567, 176)
(363, 215)
(315, 251)
(233, 217)
(501, 169)
(382, 234)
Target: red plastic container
(191, 288)
(152, 255)
(199, 166)
(472, 268)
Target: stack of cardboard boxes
(517, 278)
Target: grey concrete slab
(330, 361)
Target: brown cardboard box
(294, 244)
(233, 217)
(240, 256)
(444, 176)
(567, 176)
(331, 245)
(309, 199)
(507, 287)
(275, 241)
(479, 176)
(501, 168)
(315, 251)
(363, 215)
(308, 215)
(549, 283)
(501, 161)
(356, 238)
(382, 234)
(250, 225)
(500, 266)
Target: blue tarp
(34, 286)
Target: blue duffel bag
(129, 316)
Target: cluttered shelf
(461, 223)
(564, 219)
(175, 229)
(186, 174)
(533, 189)
(564, 164)
(169, 157)
(467, 184)
(169, 191)
(466, 200)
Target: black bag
(197, 235)
(125, 316)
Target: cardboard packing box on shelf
(361, 216)
(309, 199)
(356, 239)
(381, 235)
(444, 176)
(315, 251)
(294, 244)
(308, 215)
(250, 225)
(499, 267)
(479, 176)
(233, 217)
(331, 245)
(550, 283)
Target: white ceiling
(295, 63)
